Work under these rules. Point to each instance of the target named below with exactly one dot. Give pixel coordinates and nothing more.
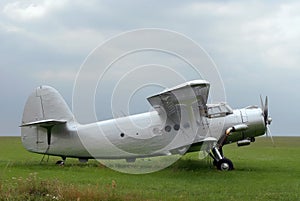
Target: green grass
(262, 172)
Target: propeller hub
(269, 120)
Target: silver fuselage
(140, 135)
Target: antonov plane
(181, 121)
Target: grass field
(262, 172)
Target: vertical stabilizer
(46, 103)
(44, 109)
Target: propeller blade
(266, 109)
(261, 103)
(269, 134)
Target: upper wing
(192, 93)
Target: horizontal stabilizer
(44, 123)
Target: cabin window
(176, 127)
(168, 128)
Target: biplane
(181, 121)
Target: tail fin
(46, 103)
(44, 108)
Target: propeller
(268, 133)
(267, 118)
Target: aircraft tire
(60, 163)
(225, 164)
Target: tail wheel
(60, 163)
(225, 164)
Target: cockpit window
(218, 110)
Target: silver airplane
(181, 121)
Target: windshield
(218, 110)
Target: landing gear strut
(222, 163)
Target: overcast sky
(255, 46)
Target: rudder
(46, 103)
(45, 106)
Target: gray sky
(255, 46)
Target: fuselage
(48, 126)
(146, 134)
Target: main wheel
(225, 164)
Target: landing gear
(61, 162)
(222, 163)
